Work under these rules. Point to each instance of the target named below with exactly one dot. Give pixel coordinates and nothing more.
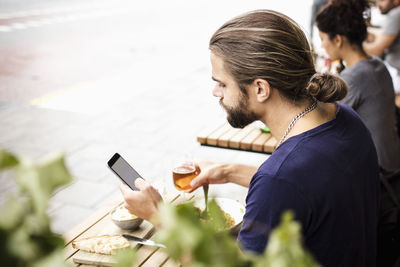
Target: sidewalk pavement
(149, 130)
(150, 121)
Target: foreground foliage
(25, 235)
(26, 238)
(196, 243)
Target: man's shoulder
(304, 150)
(270, 170)
(282, 158)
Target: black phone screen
(123, 170)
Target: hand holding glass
(183, 173)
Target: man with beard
(387, 43)
(325, 166)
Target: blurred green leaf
(53, 173)
(39, 181)
(216, 217)
(195, 242)
(183, 237)
(54, 259)
(7, 259)
(13, 213)
(265, 130)
(25, 235)
(36, 223)
(284, 246)
(22, 246)
(28, 181)
(7, 160)
(125, 257)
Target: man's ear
(338, 40)
(261, 89)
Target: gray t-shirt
(391, 25)
(371, 95)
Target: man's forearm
(239, 174)
(378, 46)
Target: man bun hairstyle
(269, 45)
(344, 17)
(326, 88)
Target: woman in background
(343, 29)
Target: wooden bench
(250, 138)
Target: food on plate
(229, 221)
(222, 213)
(121, 213)
(104, 244)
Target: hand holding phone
(143, 203)
(123, 170)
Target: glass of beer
(183, 172)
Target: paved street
(92, 78)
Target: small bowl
(124, 220)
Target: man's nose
(218, 92)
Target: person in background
(324, 168)
(387, 44)
(343, 29)
(315, 8)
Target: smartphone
(123, 170)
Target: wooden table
(100, 223)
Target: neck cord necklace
(295, 119)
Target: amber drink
(183, 175)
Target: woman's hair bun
(344, 17)
(326, 87)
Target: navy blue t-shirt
(328, 176)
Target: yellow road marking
(54, 94)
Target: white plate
(230, 206)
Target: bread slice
(103, 244)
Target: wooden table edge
(96, 216)
(93, 219)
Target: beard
(239, 116)
(384, 11)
